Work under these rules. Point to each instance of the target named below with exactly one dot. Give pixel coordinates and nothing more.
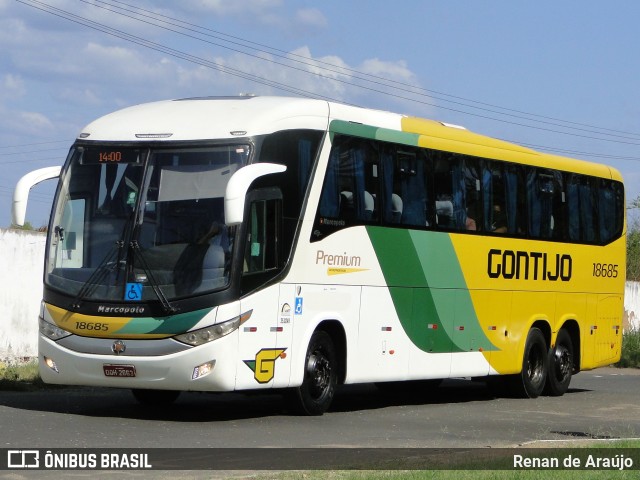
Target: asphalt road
(601, 404)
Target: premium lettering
(343, 260)
(520, 265)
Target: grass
(450, 475)
(630, 357)
(20, 377)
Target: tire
(318, 387)
(531, 381)
(560, 365)
(155, 398)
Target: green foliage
(633, 254)
(630, 357)
(21, 377)
(633, 241)
(26, 226)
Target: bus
(292, 245)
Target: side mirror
(21, 192)
(239, 183)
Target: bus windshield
(135, 224)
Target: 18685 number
(608, 270)
(97, 327)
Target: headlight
(214, 332)
(52, 331)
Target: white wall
(632, 306)
(21, 268)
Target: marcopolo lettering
(123, 310)
(519, 265)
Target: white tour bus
(225, 244)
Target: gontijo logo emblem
(263, 366)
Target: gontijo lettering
(519, 265)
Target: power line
(32, 144)
(170, 51)
(374, 79)
(32, 151)
(578, 152)
(281, 86)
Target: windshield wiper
(104, 268)
(166, 305)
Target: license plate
(119, 370)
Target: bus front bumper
(209, 367)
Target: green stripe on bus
(374, 133)
(428, 290)
(174, 324)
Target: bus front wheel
(531, 381)
(560, 365)
(315, 394)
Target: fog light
(202, 370)
(51, 364)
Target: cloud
(311, 17)
(12, 86)
(396, 70)
(334, 77)
(77, 73)
(32, 124)
(35, 120)
(235, 7)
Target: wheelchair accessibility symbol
(133, 292)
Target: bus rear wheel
(318, 387)
(531, 381)
(560, 365)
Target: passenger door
(262, 261)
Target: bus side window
(545, 202)
(350, 192)
(261, 252)
(263, 257)
(297, 150)
(411, 197)
(581, 209)
(470, 216)
(503, 190)
(610, 210)
(457, 192)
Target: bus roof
(208, 118)
(205, 118)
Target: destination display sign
(96, 156)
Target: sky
(558, 76)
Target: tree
(633, 243)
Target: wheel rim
(562, 362)
(535, 366)
(319, 370)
